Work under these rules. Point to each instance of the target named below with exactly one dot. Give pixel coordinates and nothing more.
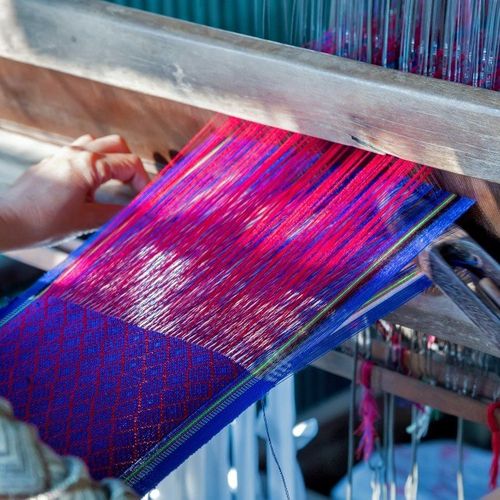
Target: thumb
(94, 215)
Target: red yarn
(259, 216)
(366, 374)
(369, 414)
(495, 442)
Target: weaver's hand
(54, 199)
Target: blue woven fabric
(101, 389)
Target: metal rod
(460, 456)
(391, 466)
(411, 486)
(352, 411)
(385, 454)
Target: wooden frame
(438, 315)
(445, 125)
(409, 388)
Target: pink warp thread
(369, 414)
(495, 442)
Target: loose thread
(273, 453)
(369, 414)
(495, 442)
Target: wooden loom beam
(448, 126)
(409, 388)
(438, 315)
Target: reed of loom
(69, 67)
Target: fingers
(109, 144)
(82, 141)
(112, 160)
(126, 168)
(103, 145)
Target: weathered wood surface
(482, 222)
(46, 103)
(438, 315)
(445, 125)
(408, 388)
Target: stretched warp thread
(450, 40)
(454, 40)
(212, 286)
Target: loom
(155, 72)
(72, 67)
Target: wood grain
(46, 103)
(438, 315)
(482, 222)
(441, 124)
(43, 103)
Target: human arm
(55, 199)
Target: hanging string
(495, 441)
(460, 457)
(391, 466)
(369, 414)
(411, 484)
(273, 453)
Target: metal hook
(411, 485)
(352, 411)
(460, 456)
(391, 465)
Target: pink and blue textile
(245, 260)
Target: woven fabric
(99, 388)
(209, 289)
